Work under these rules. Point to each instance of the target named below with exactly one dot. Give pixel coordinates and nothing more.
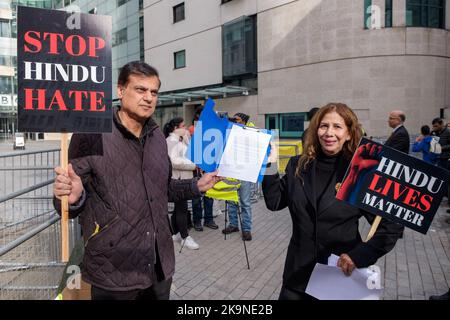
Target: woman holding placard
(323, 225)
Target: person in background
(177, 137)
(202, 207)
(245, 192)
(321, 224)
(423, 143)
(399, 139)
(198, 111)
(440, 130)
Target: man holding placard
(119, 184)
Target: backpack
(435, 146)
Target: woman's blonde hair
(311, 142)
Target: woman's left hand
(346, 264)
(273, 156)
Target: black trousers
(179, 219)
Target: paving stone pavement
(418, 266)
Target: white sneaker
(218, 212)
(177, 237)
(190, 243)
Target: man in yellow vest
(245, 192)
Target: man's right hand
(67, 184)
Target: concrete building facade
(375, 56)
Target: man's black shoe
(246, 236)
(211, 225)
(198, 226)
(230, 229)
(445, 296)
(448, 210)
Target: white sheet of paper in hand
(244, 154)
(330, 283)
(333, 260)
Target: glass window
(14, 28)
(141, 38)
(388, 14)
(163, 115)
(239, 54)
(5, 29)
(178, 12)
(4, 60)
(290, 125)
(121, 2)
(425, 13)
(5, 85)
(179, 59)
(367, 14)
(272, 121)
(119, 37)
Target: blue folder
(210, 137)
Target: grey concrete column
(399, 13)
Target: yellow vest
(227, 189)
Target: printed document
(244, 153)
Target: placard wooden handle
(374, 228)
(64, 204)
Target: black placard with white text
(63, 71)
(394, 185)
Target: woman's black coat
(319, 230)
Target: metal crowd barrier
(30, 249)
